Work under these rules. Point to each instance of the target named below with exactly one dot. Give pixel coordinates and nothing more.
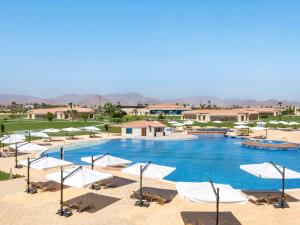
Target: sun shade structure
(51, 130)
(105, 160)
(149, 170)
(42, 163)
(210, 192)
(28, 147)
(241, 127)
(272, 171)
(274, 122)
(91, 128)
(240, 123)
(203, 192)
(39, 134)
(12, 139)
(217, 121)
(71, 129)
(75, 177)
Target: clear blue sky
(241, 48)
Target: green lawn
(6, 176)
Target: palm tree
(280, 106)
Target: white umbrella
(271, 171)
(241, 127)
(105, 160)
(284, 122)
(41, 163)
(172, 122)
(188, 122)
(203, 192)
(240, 123)
(149, 170)
(210, 192)
(152, 171)
(178, 124)
(217, 121)
(28, 147)
(75, 177)
(71, 129)
(293, 123)
(12, 139)
(202, 121)
(45, 163)
(39, 134)
(92, 128)
(260, 123)
(274, 122)
(51, 130)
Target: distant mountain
(134, 98)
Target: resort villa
(143, 128)
(239, 115)
(166, 109)
(61, 113)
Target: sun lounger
(80, 207)
(257, 200)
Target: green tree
(2, 127)
(161, 117)
(108, 108)
(85, 117)
(50, 116)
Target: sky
(166, 49)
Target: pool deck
(19, 208)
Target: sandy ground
(19, 208)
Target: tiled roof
(143, 123)
(166, 107)
(61, 109)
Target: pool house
(143, 128)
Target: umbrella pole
(61, 153)
(16, 156)
(92, 162)
(28, 168)
(141, 184)
(283, 178)
(61, 190)
(218, 200)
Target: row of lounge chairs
(266, 199)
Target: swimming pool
(210, 157)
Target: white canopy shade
(274, 122)
(39, 134)
(12, 139)
(92, 128)
(204, 192)
(28, 147)
(81, 178)
(51, 130)
(188, 122)
(45, 163)
(178, 124)
(202, 121)
(172, 122)
(284, 122)
(240, 123)
(268, 171)
(258, 128)
(153, 171)
(241, 127)
(107, 160)
(217, 121)
(294, 123)
(71, 129)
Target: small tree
(85, 117)
(50, 116)
(161, 117)
(2, 127)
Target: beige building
(61, 113)
(237, 115)
(143, 128)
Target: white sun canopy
(268, 171)
(153, 171)
(39, 134)
(172, 122)
(241, 123)
(274, 122)
(45, 163)
(12, 139)
(28, 147)
(81, 178)
(204, 192)
(188, 122)
(92, 128)
(217, 121)
(241, 127)
(106, 160)
(293, 123)
(51, 130)
(71, 129)
(258, 128)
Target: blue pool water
(209, 157)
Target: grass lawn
(16, 125)
(6, 176)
